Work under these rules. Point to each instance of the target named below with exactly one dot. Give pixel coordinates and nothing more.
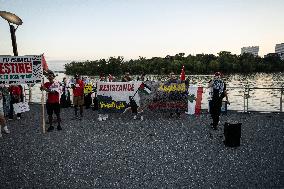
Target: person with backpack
(218, 93)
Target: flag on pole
(194, 100)
(182, 74)
(144, 88)
(44, 64)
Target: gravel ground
(159, 152)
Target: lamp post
(12, 19)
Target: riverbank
(154, 153)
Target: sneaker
(100, 119)
(135, 117)
(18, 118)
(105, 118)
(142, 118)
(6, 130)
(59, 128)
(51, 128)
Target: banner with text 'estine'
(20, 69)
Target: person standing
(78, 96)
(15, 94)
(126, 77)
(218, 93)
(65, 101)
(2, 117)
(52, 103)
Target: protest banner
(113, 97)
(21, 107)
(21, 69)
(166, 96)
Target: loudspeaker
(232, 133)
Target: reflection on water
(260, 99)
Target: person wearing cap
(52, 103)
(218, 93)
(78, 96)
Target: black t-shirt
(219, 88)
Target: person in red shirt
(78, 96)
(52, 103)
(15, 93)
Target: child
(2, 117)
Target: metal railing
(247, 90)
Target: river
(259, 99)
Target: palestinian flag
(144, 88)
(194, 100)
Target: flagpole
(42, 108)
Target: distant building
(252, 50)
(271, 55)
(279, 49)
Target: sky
(66, 30)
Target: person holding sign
(52, 103)
(78, 96)
(2, 117)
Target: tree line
(198, 64)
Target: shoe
(51, 128)
(100, 119)
(105, 118)
(59, 128)
(6, 130)
(18, 118)
(135, 117)
(142, 118)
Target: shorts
(52, 107)
(78, 100)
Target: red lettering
(124, 87)
(101, 88)
(28, 67)
(113, 88)
(21, 68)
(12, 67)
(1, 69)
(120, 88)
(107, 86)
(104, 88)
(17, 68)
(7, 68)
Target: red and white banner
(194, 99)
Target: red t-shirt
(52, 97)
(15, 90)
(79, 88)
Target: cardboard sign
(21, 107)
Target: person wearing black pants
(15, 93)
(218, 93)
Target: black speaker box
(232, 133)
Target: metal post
(281, 99)
(13, 38)
(244, 99)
